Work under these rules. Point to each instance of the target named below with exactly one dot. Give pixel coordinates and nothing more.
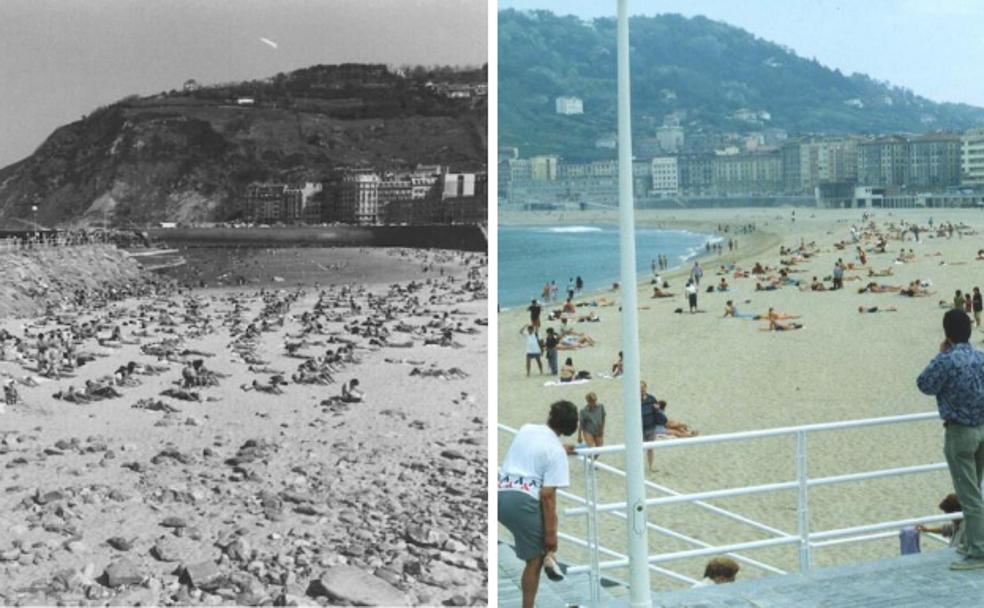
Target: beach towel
(908, 540)
(559, 383)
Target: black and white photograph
(244, 302)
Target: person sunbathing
(101, 391)
(876, 288)
(567, 371)
(659, 293)
(874, 309)
(571, 342)
(880, 273)
(723, 285)
(777, 326)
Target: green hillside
(705, 69)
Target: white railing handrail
(806, 538)
(759, 434)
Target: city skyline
(63, 60)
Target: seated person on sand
(873, 287)
(659, 293)
(618, 367)
(351, 393)
(730, 310)
(567, 371)
(723, 285)
(673, 428)
(569, 308)
(980, 254)
(817, 285)
(874, 309)
(758, 268)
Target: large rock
(203, 575)
(350, 585)
(123, 572)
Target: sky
(61, 59)
(934, 47)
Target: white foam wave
(574, 229)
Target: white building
(972, 158)
(457, 185)
(666, 176)
(569, 105)
(360, 198)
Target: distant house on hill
(245, 101)
(191, 85)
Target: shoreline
(753, 244)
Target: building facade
(972, 158)
(666, 176)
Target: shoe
(968, 563)
(552, 570)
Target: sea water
(530, 256)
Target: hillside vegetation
(702, 69)
(188, 155)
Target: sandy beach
(250, 495)
(723, 375)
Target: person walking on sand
(691, 290)
(955, 377)
(978, 306)
(534, 468)
(839, 274)
(550, 344)
(653, 421)
(534, 309)
(592, 418)
(696, 273)
(532, 349)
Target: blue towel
(909, 540)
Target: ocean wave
(573, 229)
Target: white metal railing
(807, 540)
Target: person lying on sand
(182, 394)
(571, 342)
(873, 287)
(101, 391)
(72, 395)
(777, 326)
(887, 272)
(659, 293)
(874, 309)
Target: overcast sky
(934, 47)
(60, 59)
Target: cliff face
(188, 156)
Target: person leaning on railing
(534, 467)
(955, 377)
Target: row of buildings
(935, 162)
(426, 195)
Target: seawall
(30, 278)
(463, 237)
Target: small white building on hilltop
(569, 105)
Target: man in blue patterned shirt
(956, 378)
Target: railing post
(591, 495)
(803, 502)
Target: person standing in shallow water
(955, 377)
